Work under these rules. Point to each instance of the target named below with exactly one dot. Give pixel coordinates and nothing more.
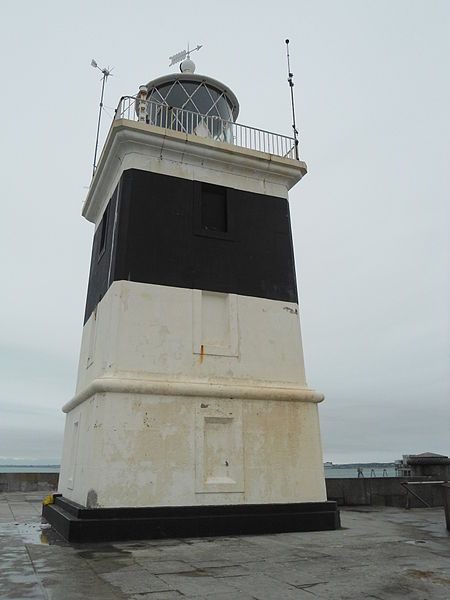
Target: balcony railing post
(142, 104)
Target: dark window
(214, 214)
(103, 232)
(213, 211)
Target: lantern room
(192, 103)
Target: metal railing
(208, 126)
(406, 484)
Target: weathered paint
(151, 331)
(150, 451)
(139, 449)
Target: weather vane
(106, 71)
(179, 56)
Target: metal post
(106, 74)
(291, 85)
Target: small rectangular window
(103, 232)
(214, 215)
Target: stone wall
(28, 482)
(374, 491)
(382, 491)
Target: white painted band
(191, 389)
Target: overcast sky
(370, 220)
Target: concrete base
(79, 524)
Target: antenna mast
(106, 73)
(291, 85)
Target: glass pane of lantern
(224, 109)
(190, 87)
(162, 90)
(203, 101)
(176, 96)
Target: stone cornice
(137, 145)
(197, 389)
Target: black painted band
(78, 524)
(170, 231)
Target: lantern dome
(192, 103)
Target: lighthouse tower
(191, 415)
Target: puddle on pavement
(437, 530)
(196, 573)
(103, 552)
(32, 533)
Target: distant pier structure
(192, 415)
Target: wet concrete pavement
(381, 554)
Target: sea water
(336, 472)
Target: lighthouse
(191, 415)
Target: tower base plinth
(79, 524)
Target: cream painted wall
(143, 330)
(138, 450)
(124, 448)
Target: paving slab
(380, 553)
(135, 580)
